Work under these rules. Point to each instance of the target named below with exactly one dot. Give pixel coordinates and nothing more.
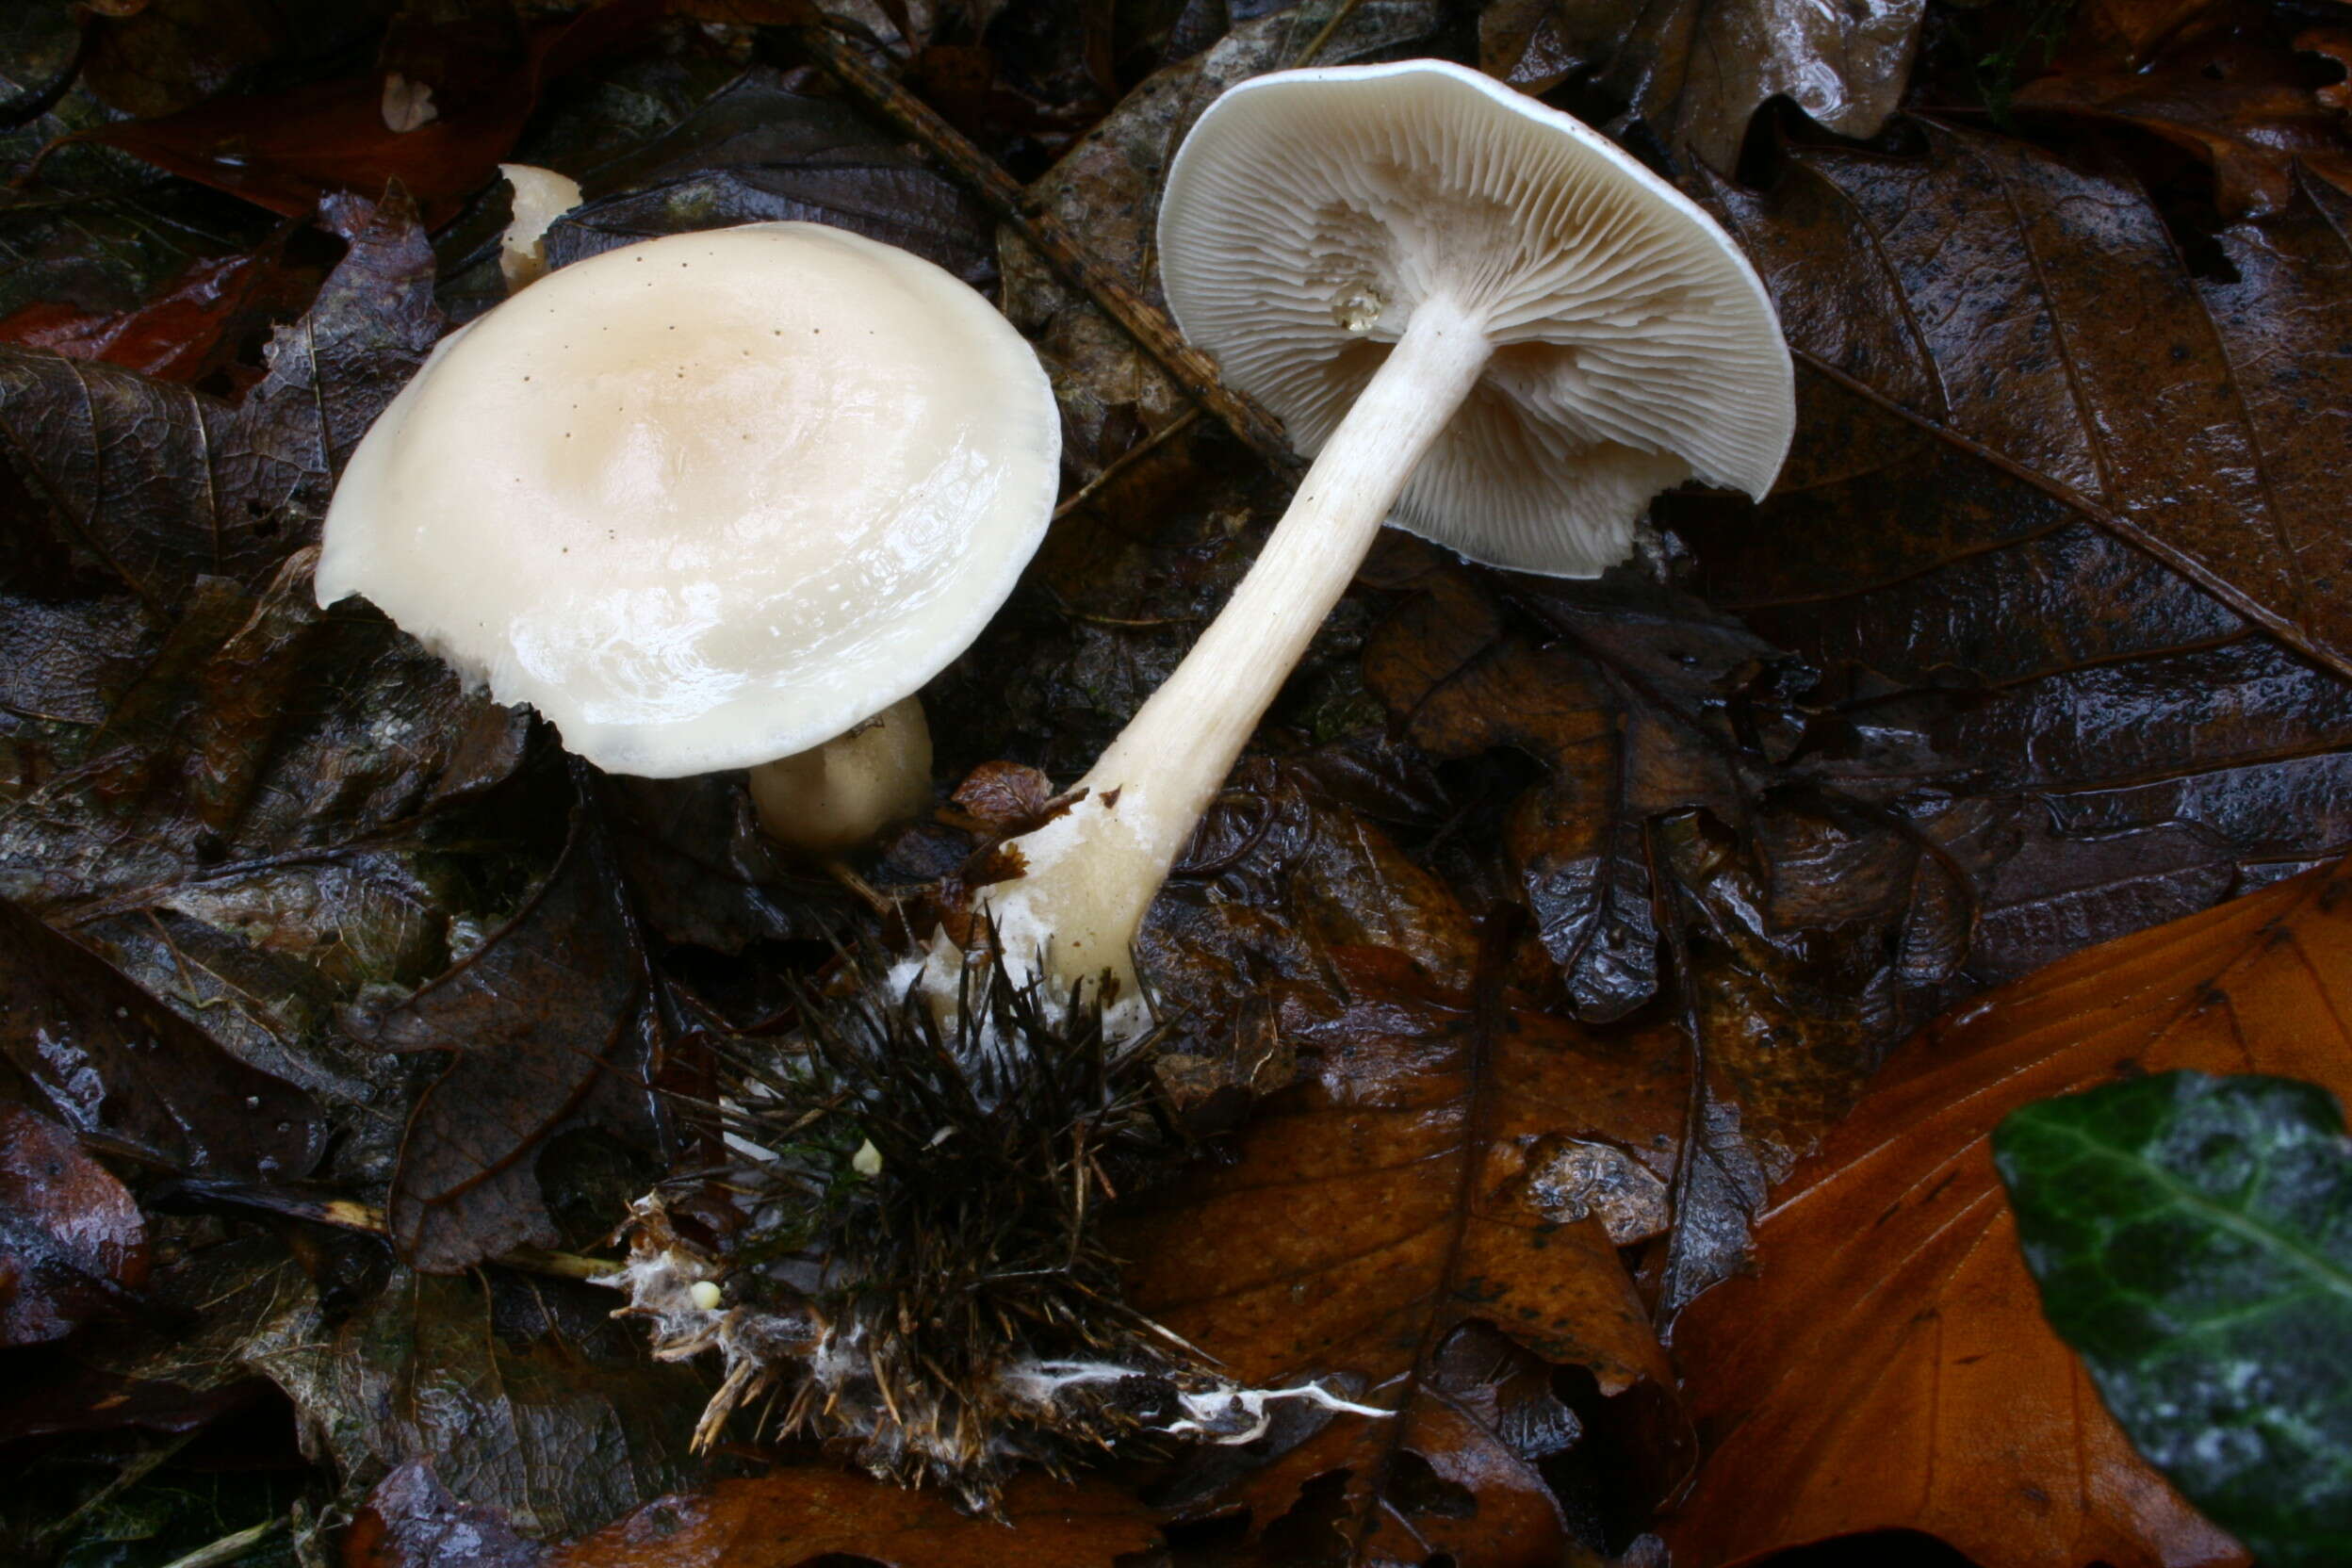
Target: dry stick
(1340, 14)
(1127, 460)
(349, 1214)
(228, 1548)
(1148, 325)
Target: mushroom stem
(1091, 873)
(835, 798)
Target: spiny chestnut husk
(918, 1274)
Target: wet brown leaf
(2140, 30)
(243, 831)
(1818, 927)
(704, 872)
(2029, 316)
(168, 54)
(1413, 1186)
(72, 1241)
(791, 1518)
(1461, 682)
(554, 1021)
(2246, 108)
(1448, 1159)
(2090, 742)
(197, 1352)
(206, 777)
(1889, 1365)
(1696, 69)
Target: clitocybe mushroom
(711, 501)
(1476, 312)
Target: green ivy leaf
(2192, 1240)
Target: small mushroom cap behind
(707, 500)
(1309, 212)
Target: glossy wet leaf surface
(1835, 1431)
(1533, 973)
(72, 1242)
(2192, 1240)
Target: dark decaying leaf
(1438, 1168)
(554, 1021)
(2088, 742)
(704, 874)
(243, 832)
(411, 1521)
(72, 1241)
(112, 1060)
(757, 152)
(212, 782)
(160, 56)
(1460, 686)
(2249, 111)
(39, 47)
(199, 1350)
(1695, 71)
(797, 1518)
(95, 237)
(1888, 1366)
(155, 485)
(1979, 293)
(2191, 1237)
(286, 151)
(523, 1396)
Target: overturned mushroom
(1474, 311)
(711, 501)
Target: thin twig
(228, 1548)
(841, 872)
(1340, 14)
(135, 1469)
(1127, 460)
(1148, 325)
(348, 1214)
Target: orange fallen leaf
(1888, 1366)
(798, 1516)
(1441, 1166)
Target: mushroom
(1474, 310)
(711, 501)
(540, 197)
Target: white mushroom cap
(1310, 212)
(707, 500)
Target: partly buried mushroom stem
(1091, 873)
